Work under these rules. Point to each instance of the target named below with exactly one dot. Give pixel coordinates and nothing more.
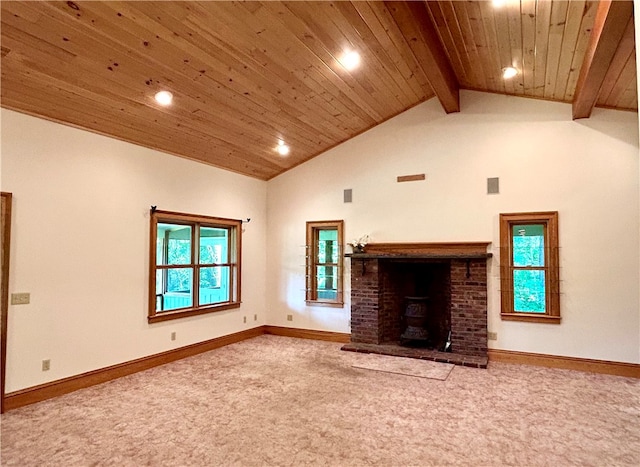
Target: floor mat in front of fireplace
(404, 366)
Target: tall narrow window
(195, 265)
(529, 270)
(324, 263)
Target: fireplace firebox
(427, 296)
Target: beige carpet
(404, 366)
(276, 401)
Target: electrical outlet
(20, 298)
(173, 336)
(492, 336)
(46, 365)
(289, 317)
(244, 319)
(255, 317)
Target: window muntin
(190, 280)
(324, 262)
(530, 267)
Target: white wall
(587, 170)
(79, 246)
(80, 226)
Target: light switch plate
(20, 298)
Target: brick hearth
(453, 276)
(423, 354)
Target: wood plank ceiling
(246, 75)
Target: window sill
(530, 318)
(168, 315)
(329, 304)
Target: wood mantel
(425, 250)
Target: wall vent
(348, 193)
(493, 186)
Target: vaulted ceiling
(247, 75)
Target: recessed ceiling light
(350, 60)
(509, 72)
(282, 148)
(498, 3)
(164, 98)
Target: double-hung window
(324, 263)
(529, 269)
(195, 265)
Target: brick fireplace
(450, 277)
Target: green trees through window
(188, 279)
(324, 262)
(529, 269)
(326, 269)
(529, 288)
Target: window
(324, 263)
(529, 270)
(195, 265)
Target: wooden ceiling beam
(608, 30)
(414, 22)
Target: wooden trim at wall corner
(5, 241)
(63, 386)
(340, 337)
(629, 370)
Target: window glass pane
(178, 293)
(327, 282)
(528, 245)
(160, 248)
(214, 285)
(328, 246)
(529, 291)
(159, 281)
(214, 245)
(173, 244)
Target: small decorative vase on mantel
(359, 244)
(358, 249)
